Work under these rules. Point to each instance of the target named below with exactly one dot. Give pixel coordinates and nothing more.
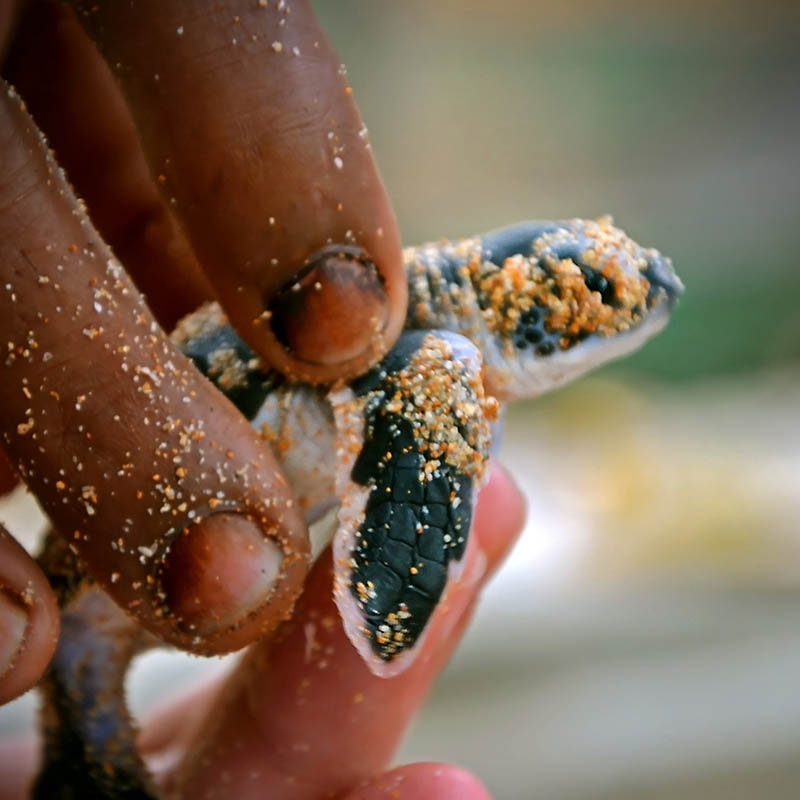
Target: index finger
(245, 114)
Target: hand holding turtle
(218, 152)
(302, 716)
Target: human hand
(302, 717)
(232, 156)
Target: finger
(423, 782)
(17, 764)
(69, 90)
(245, 110)
(155, 479)
(499, 517)
(8, 478)
(8, 20)
(303, 715)
(28, 620)
(169, 730)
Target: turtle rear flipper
(89, 737)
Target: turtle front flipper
(89, 738)
(413, 438)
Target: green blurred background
(681, 119)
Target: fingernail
(218, 571)
(334, 310)
(13, 624)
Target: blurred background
(643, 640)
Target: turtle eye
(596, 282)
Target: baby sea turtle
(402, 450)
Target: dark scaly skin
(388, 542)
(525, 296)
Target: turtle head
(560, 298)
